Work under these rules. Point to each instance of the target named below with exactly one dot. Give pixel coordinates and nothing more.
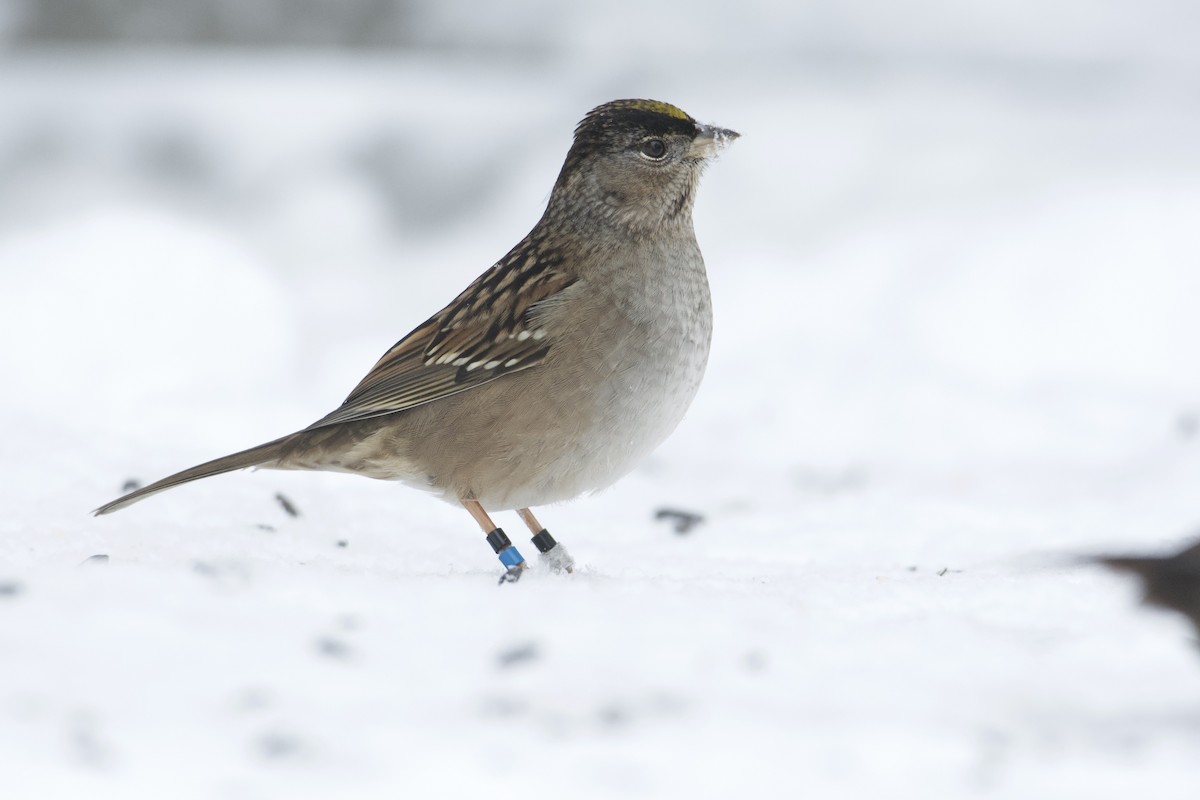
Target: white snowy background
(956, 266)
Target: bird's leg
(552, 554)
(498, 539)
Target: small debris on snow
(262, 526)
(278, 745)
(131, 484)
(614, 715)
(333, 647)
(506, 706)
(253, 698)
(343, 543)
(755, 661)
(85, 741)
(683, 521)
(287, 504)
(226, 574)
(10, 588)
(99, 558)
(518, 654)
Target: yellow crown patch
(656, 107)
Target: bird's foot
(557, 559)
(552, 554)
(512, 574)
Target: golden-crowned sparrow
(559, 368)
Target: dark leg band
(543, 541)
(503, 546)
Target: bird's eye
(654, 149)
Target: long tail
(254, 457)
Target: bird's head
(637, 163)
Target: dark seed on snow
(527, 651)
(287, 505)
(683, 521)
(333, 648)
(278, 745)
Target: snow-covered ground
(956, 346)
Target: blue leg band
(509, 557)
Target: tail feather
(254, 457)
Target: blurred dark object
(683, 521)
(99, 558)
(287, 504)
(276, 745)
(1186, 425)
(1171, 582)
(345, 23)
(518, 654)
(9, 588)
(332, 647)
(131, 484)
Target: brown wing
(486, 332)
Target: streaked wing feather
(487, 331)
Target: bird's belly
(560, 429)
(636, 411)
(585, 442)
